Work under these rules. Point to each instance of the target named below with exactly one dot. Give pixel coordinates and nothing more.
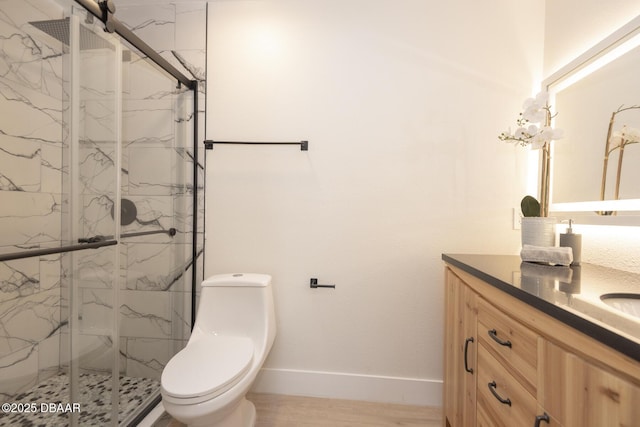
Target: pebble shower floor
(95, 398)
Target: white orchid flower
(630, 134)
(547, 133)
(531, 130)
(535, 109)
(616, 140)
(537, 141)
(542, 99)
(528, 103)
(535, 114)
(520, 133)
(624, 136)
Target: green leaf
(530, 206)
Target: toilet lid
(207, 366)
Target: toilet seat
(206, 368)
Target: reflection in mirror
(587, 108)
(616, 144)
(597, 98)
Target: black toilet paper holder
(313, 283)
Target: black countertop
(569, 294)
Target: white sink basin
(627, 303)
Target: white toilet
(206, 382)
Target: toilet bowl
(206, 382)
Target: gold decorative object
(617, 141)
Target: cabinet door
(578, 393)
(460, 353)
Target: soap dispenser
(569, 239)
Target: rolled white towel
(547, 255)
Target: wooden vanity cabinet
(579, 393)
(528, 369)
(460, 353)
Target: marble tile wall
(157, 165)
(32, 134)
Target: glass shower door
(155, 288)
(93, 159)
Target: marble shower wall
(32, 134)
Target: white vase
(539, 231)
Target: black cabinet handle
(492, 388)
(494, 334)
(466, 350)
(539, 418)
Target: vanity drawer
(515, 346)
(502, 400)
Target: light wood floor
(295, 411)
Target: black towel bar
(304, 145)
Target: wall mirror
(596, 165)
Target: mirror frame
(618, 43)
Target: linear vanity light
(622, 212)
(598, 205)
(598, 63)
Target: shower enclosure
(99, 215)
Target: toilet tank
(237, 304)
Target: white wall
(402, 102)
(567, 35)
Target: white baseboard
(335, 385)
